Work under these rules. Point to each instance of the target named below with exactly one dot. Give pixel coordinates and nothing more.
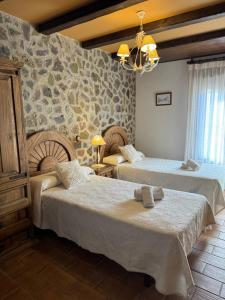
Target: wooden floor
(58, 269)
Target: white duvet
(103, 217)
(208, 181)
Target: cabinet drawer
(13, 217)
(12, 184)
(13, 199)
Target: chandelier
(143, 57)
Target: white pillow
(88, 170)
(141, 154)
(71, 173)
(49, 181)
(130, 153)
(114, 159)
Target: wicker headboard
(114, 137)
(45, 149)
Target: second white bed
(208, 181)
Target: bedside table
(103, 170)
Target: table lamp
(98, 141)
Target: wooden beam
(86, 13)
(201, 37)
(206, 36)
(177, 21)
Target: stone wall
(67, 88)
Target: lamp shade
(123, 50)
(153, 55)
(148, 44)
(97, 140)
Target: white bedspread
(103, 217)
(208, 181)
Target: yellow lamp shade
(153, 55)
(97, 140)
(123, 50)
(148, 44)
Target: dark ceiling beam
(84, 14)
(201, 37)
(177, 21)
(200, 45)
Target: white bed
(208, 181)
(103, 217)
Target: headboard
(45, 149)
(114, 137)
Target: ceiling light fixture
(143, 57)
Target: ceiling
(38, 11)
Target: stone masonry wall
(67, 88)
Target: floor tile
(219, 252)
(222, 294)
(206, 283)
(209, 258)
(215, 273)
(201, 294)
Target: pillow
(114, 159)
(130, 153)
(49, 180)
(88, 170)
(141, 154)
(70, 173)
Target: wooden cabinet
(14, 186)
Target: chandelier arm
(126, 67)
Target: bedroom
(66, 96)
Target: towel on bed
(148, 198)
(190, 165)
(158, 193)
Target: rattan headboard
(114, 137)
(45, 149)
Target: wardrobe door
(12, 152)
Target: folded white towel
(138, 194)
(193, 165)
(148, 198)
(158, 193)
(184, 166)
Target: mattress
(103, 217)
(208, 181)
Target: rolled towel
(158, 193)
(148, 198)
(184, 166)
(193, 165)
(138, 194)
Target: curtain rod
(204, 60)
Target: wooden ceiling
(182, 29)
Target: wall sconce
(77, 142)
(77, 138)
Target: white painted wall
(161, 130)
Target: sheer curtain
(206, 113)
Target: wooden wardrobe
(14, 185)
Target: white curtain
(205, 139)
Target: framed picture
(163, 99)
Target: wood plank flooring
(58, 269)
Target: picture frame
(162, 99)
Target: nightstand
(103, 170)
